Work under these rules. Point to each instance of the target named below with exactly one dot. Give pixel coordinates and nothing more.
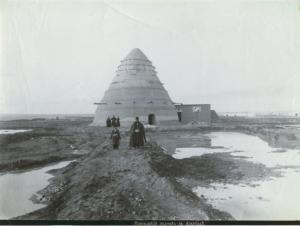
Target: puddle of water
(274, 199)
(17, 188)
(249, 146)
(13, 131)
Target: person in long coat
(108, 122)
(114, 121)
(115, 137)
(118, 122)
(137, 134)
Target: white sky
(60, 56)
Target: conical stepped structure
(136, 91)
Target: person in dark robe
(114, 121)
(115, 137)
(108, 122)
(118, 122)
(137, 134)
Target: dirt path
(143, 183)
(121, 184)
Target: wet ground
(17, 188)
(270, 198)
(30, 144)
(222, 168)
(13, 131)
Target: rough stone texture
(135, 91)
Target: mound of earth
(122, 184)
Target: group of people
(137, 135)
(113, 122)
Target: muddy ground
(277, 132)
(144, 183)
(49, 141)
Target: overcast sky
(60, 56)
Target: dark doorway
(151, 119)
(179, 115)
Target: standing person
(118, 122)
(115, 137)
(114, 121)
(108, 122)
(137, 134)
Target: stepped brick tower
(136, 91)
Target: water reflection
(274, 199)
(13, 131)
(17, 188)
